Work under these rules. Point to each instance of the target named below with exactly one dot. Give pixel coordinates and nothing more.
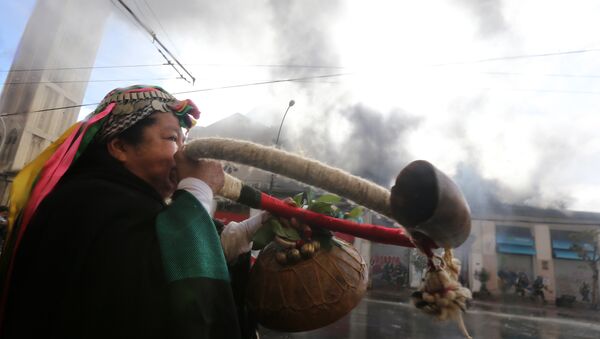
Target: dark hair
(133, 135)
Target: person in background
(99, 253)
(537, 289)
(522, 284)
(584, 291)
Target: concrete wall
(483, 254)
(569, 276)
(543, 262)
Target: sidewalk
(524, 306)
(507, 304)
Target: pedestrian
(115, 239)
(522, 283)
(584, 290)
(537, 289)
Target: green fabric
(190, 245)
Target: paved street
(386, 319)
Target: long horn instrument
(424, 200)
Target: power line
(161, 26)
(266, 82)
(155, 39)
(303, 79)
(166, 64)
(80, 67)
(79, 81)
(557, 75)
(125, 15)
(200, 90)
(538, 90)
(272, 66)
(514, 57)
(49, 109)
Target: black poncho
(104, 257)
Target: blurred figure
(522, 283)
(584, 290)
(508, 280)
(537, 289)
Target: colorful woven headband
(138, 102)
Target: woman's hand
(209, 171)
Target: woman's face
(153, 158)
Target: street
(385, 319)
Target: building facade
(50, 69)
(534, 243)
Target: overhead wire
(125, 15)
(161, 27)
(514, 57)
(166, 64)
(306, 79)
(80, 81)
(155, 39)
(200, 90)
(557, 75)
(301, 79)
(49, 109)
(80, 67)
(265, 82)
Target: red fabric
(376, 233)
(56, 167)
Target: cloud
(368, 143)
(489, 16)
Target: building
(538, 242)
(54, 42)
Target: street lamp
(290, 104)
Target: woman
(97, 253)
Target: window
(562, 242)
(514, 240)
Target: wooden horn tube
(424, 200)
(312, 172)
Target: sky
(500, 95)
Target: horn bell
(427, 202)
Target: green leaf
(355, 212)
(321, 207)
(329, 198)
(285, 232)
(263, 237)
(298, 199)
(309, 197)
